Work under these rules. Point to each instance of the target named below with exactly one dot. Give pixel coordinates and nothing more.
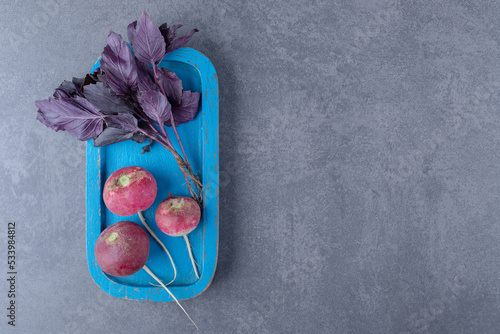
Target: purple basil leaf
(75, 115)
(172, 85)
(174, 45)
(156, 106)
(61, 94)
(139, 137)
(100, 76)
(125, 121)
(147, 148)
(148, 43)
(106, 100)
(78, 81)
(188, 109)
(112, 135)
(131, 31)
(145, 77)
(169, 33)
(66, 89)
(41, 118)
(118, 64)
(89, 80)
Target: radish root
(143, 220)
(188, 244)
(170, 293)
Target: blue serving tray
(200, 140)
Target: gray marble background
(360, 163)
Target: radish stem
(183, 163)
(188, 244)
(184, 166)
(170, 293)
(143, 220)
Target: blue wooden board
(200, 140)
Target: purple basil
(188, 109)
(131, 31)
(112, 135)
(147, 148)
(156, 106)
(124, 121)
(181, 41)
(118, 64)
(171, 84)
(115, 134)
(169, 34)
(75, 115)
(106, 100)
(139, 137)
(148, 43)
(110, 104)
(145, 78)
(69, 88)
(66, 89)
(101, 77)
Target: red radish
(122, 249)
(178, 216)
(130, 190)
(113, 249)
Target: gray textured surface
(360, 162)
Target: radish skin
(129, 190)
(113, 249)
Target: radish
(178, 216)
(122, 249)
(113, 249)
(131, 190)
